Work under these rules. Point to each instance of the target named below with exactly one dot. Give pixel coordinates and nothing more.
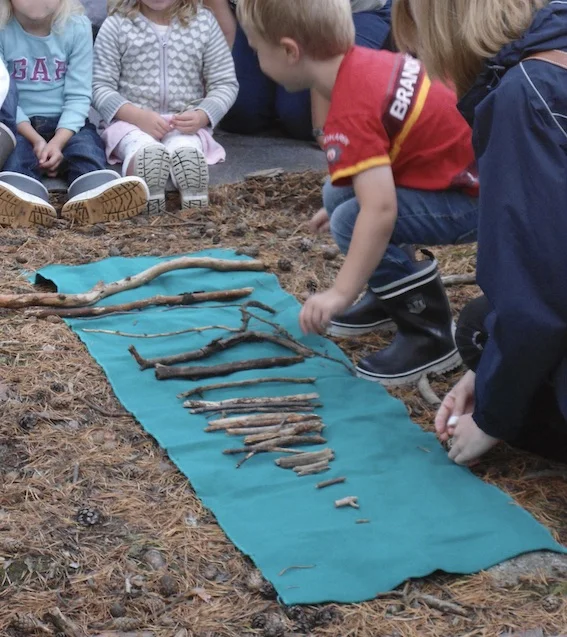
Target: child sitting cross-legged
(163, 78)
(402, 172)
(47, 47)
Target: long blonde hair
(67, 8)
(183, 10)
(453, 39)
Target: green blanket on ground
(424, 512)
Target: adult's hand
(459, 401)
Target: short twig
(295, 568)
(427, 392)
(244, 383)
(103, 411)
(330, 483)
(350, 501)
(363, 521)
(312, 469)
(64, 625)
(458, 279)
(76, 473)
(545, 475)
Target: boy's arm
(225, 17)
(78, 80)
(376, 194)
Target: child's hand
(469, 441)
(38, 147)
(459, 401)
(51, 157)
(320, 308)
(320, 222)
(153, 124)
(190, 122)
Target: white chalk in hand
(453, 420)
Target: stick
(330, 483)
(189, 298)
(297, 430)
(458, 279)
(103, 290)
(64, 625)
(105, 412)
(189, 330)
(304, 459)
(441, 604)
(220, 345)
(294, 568)
(427, 392)
(311, 469)
(250, 431)
(164, 372)
(288, 441)
(350, 501)
(237, 402)
(261, 420)
(235, 411)
(198, 391)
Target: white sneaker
(153, 165)
(190, 175)
(24, 202)
(104, 196)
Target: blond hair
(322, 28)
(67, 8)
(453, 39)
(183, 10)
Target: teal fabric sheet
(425, 513)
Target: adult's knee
(471, 334)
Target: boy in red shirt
(401, 172)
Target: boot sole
(191, 174)
(20, 213)
(345, 331)
(118, 202)
(444, 364)
(153, 165)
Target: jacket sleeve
(106, 70)
(77, 92)
(522, 258)
(221, 85)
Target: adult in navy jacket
(518, 109)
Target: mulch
(153, 558)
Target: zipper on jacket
(164, 67)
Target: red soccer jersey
(386, 111)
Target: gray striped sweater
(191, 66)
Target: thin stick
(245, 459)
(64, 625)
(260, 420)
(103, 290)
(330, 483)
(441, 604)
(180, 299)
(294, 568)
(305, 459)
(245, 383)
(164, 372)
(235, 411)
(299, 429)
(458, 279)
(312, 469)
(105, 412)
(76, 473)
(250, 431)
(246, 402)
(349, 501)
(220, 345)
(289, 441)
(427, 392)
(190, 330)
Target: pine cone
(274, 627)
(285, 265)
(254, 581)
(305, 244)
(326, 615)
(88, 516)
(25, 623)
(124, 624)
(259, 621)
(267, 591)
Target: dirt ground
(156, 562)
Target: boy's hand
(320, 222)
(190, 122)
(38, 147)
(51, 157)
(459, 401)
(320, 308)
(469, 441)
(153, 124)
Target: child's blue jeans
(427, 217)
(261, 102)
(84, 152)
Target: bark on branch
(261, 420)
(300, 428)
(199, 391)
(288, 441)
(305, 459)
(103, 290)
(219, 405)
(312, 469)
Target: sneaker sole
(191, 174)
(19, 213)
(444, 364)
(346, 331)
(153, 165)
(120, 201)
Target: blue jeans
(261, 102)
(84, 152)
(429, 217)
(9, 107)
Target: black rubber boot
(367, 315)
(424, 343)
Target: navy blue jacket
(519, 115)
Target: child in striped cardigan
(163, 78)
